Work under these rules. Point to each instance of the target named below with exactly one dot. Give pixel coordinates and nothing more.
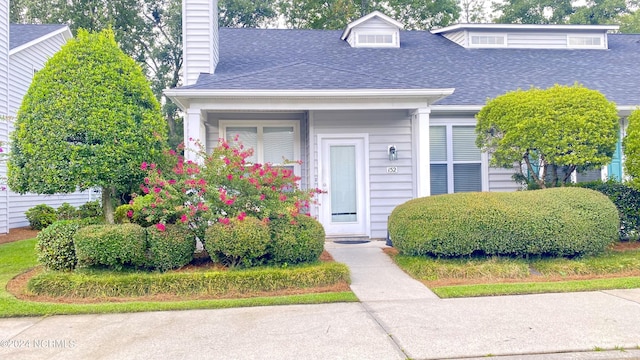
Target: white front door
(342, 167)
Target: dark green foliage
(172, 248)
(240, 242)
(302, 241)
(626, 199)
(66, 211)
(89, 119)
(90, 209)
(41, 216)
(55, 245)
(554, 222)
(113, 246)
(249, 282)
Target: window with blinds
(456, 161)
(272, 142)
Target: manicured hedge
(555, 222)
(170, 249)
(297, 242)
(55, 247)
(239, 242)
(113, 246)
(626, 199)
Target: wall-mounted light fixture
(392, 152)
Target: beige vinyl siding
(200, 38)
(384, 128)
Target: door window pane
(278, 144)
(438, 179)
(464, 144)
(438, 143)
(248, 136)
(467, 177)
(343, 183)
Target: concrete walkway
(398, 318)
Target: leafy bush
(113, 246)
(55, 245)
(555, 222)
(122, 214)
(90, 209)
(171, 248)
(626, 199)
(238, 242)
(292, 243)
(66, 211)
(41, 216)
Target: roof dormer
(524, 36)
(375, 30)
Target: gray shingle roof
(315, 59)
(20, 34)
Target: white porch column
(423, 158)
(193, 134)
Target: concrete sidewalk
(398, 318)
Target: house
(380, 115)
(24, 49)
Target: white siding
(500, 180)
(458, 37)
(4, 105)
(200, 38)
(542, 40)
(384, 128)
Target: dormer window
(373, 30)
(488, 40)
(584, 41)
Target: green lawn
(18, 257)
(504, 276)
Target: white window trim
(393, 44)
(471, 34)
(260, 124)
(484, 157)
(599, 46)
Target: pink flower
(283, 197)
(143, 166)
(172, 152)
(224, 221)
(171, 181)
(183, 218)
(230, 177)
(229, 201)
(145, 189)
(157, 189)
(262, 197)
(242, 216)
(130, 213)
(160, 227)
(226, 161)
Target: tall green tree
(560, 128)
(533, 11)
(336, 14)
(89, 119)
(631, 148)
(599, 12)
(473, 11)
(246, 13)
(630, 23)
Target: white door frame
(362, 176)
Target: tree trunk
(107, 203)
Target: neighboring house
(24, 49)
(380, 115)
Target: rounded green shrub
(90, 209)
(238, 243)
(55, 246)
(41, 216)
(66, 211)
(121, 215)
(297, 241)
(554, 222)
(171, 248)
(112, 246)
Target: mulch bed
(17, 234)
